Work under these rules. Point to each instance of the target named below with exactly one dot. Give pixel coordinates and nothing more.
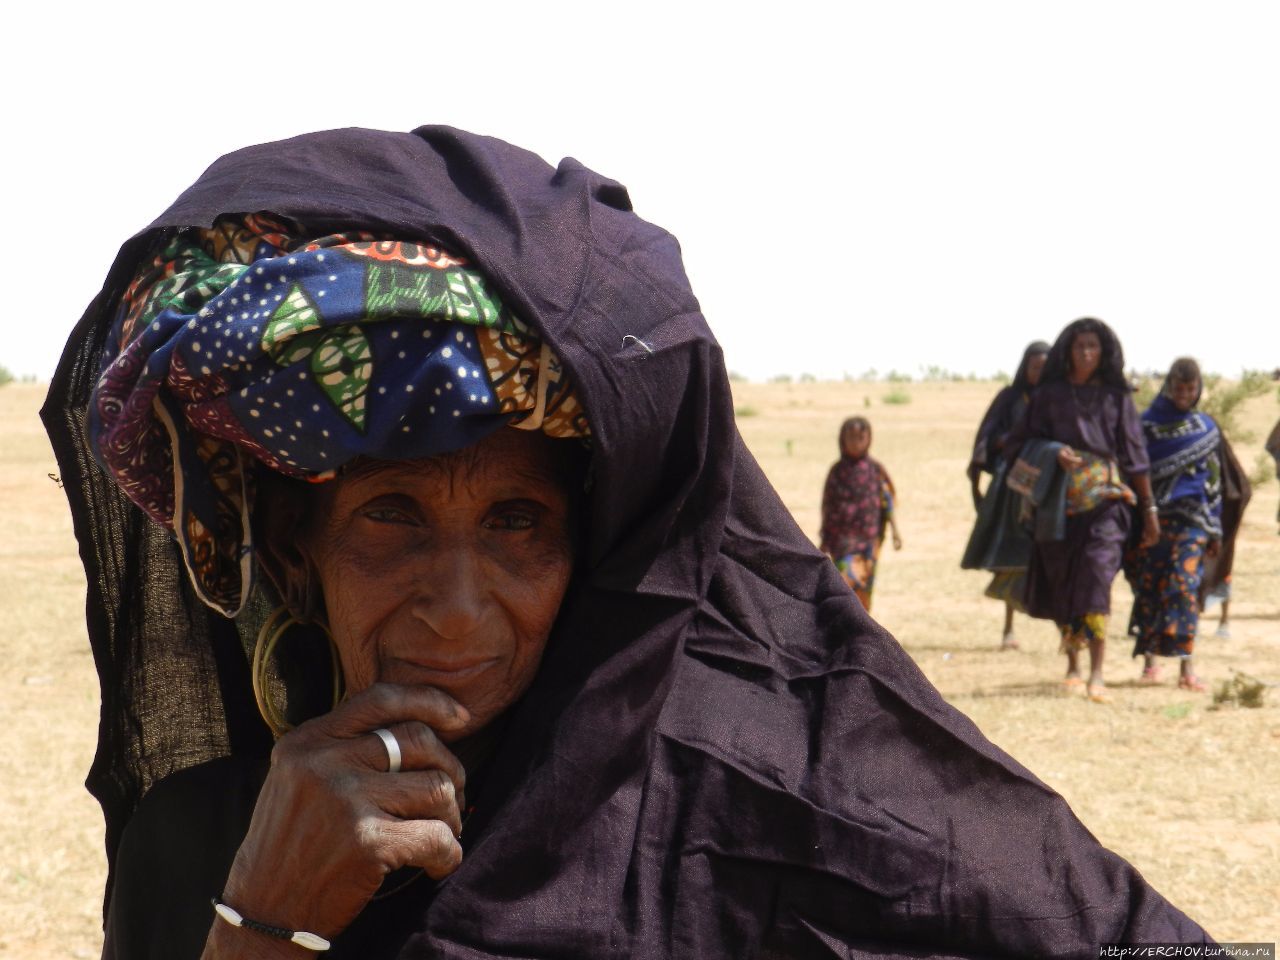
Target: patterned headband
(245, 341)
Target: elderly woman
(610, 709)
(1186, 480)
(1084, 410)
(999, 542)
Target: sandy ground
(1184, 792)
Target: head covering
(247, 341)
(1036, 348)
(1005, 410)
(1186, 469)
(722, 755)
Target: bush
(1223, 402)
(1219, 399)
(1264, 468)
(936, 374)
(745, 411)
(1242, 690)
(5, 376)
(896, 397)
(1146, 391)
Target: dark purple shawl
(723, 755)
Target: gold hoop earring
(273, 628)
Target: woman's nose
(451, 598)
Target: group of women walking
(1083, 486)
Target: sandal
(1193, 683)
(1150, 676)
(1009, 641)
(1097, 693)
(1072, 683)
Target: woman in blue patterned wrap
(1186, 480)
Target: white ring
(393, 748)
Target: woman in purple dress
(1084, 408)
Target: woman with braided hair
(1083, 416)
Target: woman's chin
(482, 688)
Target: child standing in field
(857, 507)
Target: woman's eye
(511, 520)
(387, 515)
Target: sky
(858, 186)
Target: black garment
(722, 755)
(1236, 493)
(999, 541)
(1006, 410)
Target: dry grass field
(1185, 792)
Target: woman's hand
(331, 822)
(1213, 549)
(1150, 529)
(897, 541)
(1068, 459)
(977, 492)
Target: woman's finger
(386, 703)
(429, 844)
(419, 795)
(419, 748)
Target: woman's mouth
(437, 672)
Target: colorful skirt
(1080, 632)
(1166, 582)
(859, 572)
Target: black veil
(723, 755)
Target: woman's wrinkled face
(448, 571)
(1183, 393)
(1086, 355)
(1035, 367)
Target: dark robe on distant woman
(1273, 448)
(1215, 584)
(1069, 580)
(999, 541)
